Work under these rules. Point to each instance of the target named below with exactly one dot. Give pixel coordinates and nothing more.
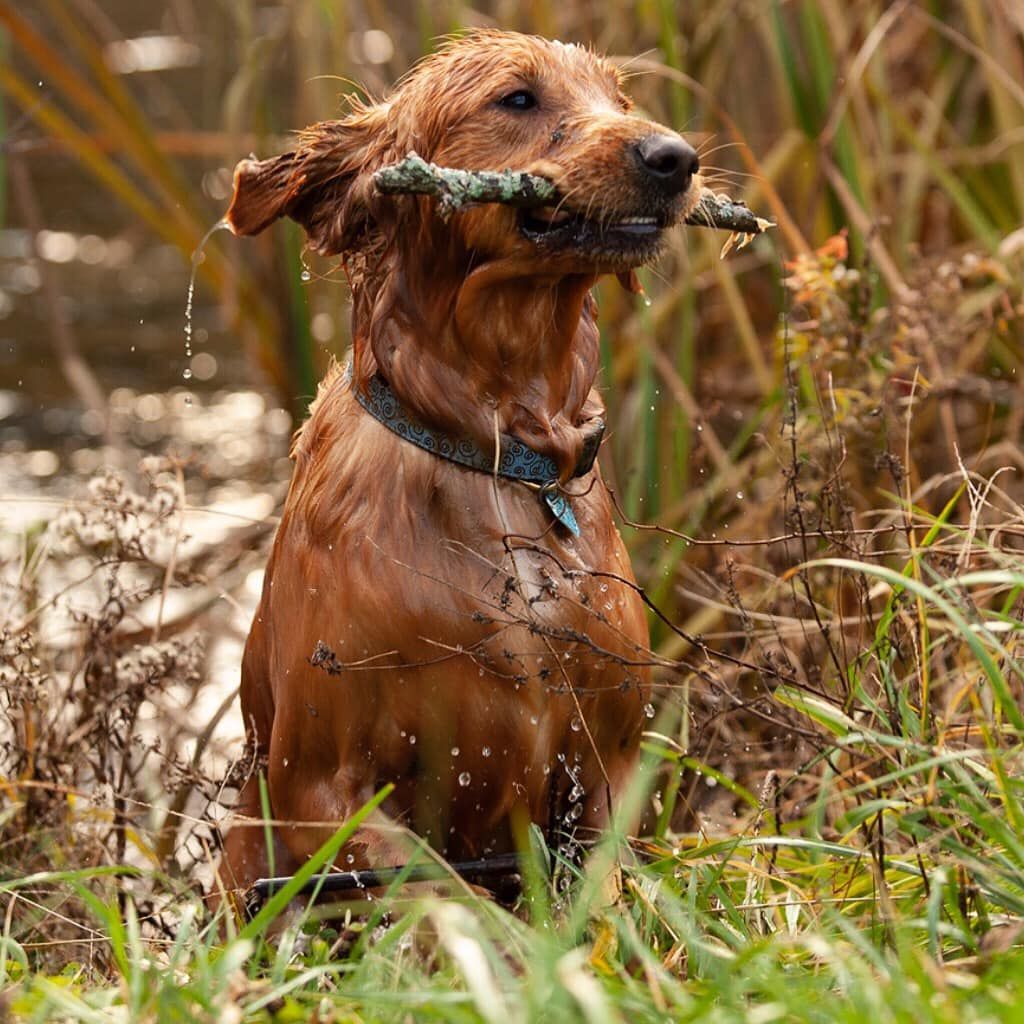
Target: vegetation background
(816, 453)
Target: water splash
(197, 258)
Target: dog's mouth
(629, 239)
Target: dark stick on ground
(456, 188)
(499, 865)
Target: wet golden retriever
(426, 623)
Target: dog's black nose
(669, 160)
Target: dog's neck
(495, 350)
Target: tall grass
(898, 891)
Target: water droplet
(306, 275)
(649, 710)
(197, 258)
(575, 724)
(284, 762)
(465, 779)
(412, 739)
(486, 751)
(186, 374)
(350, 859)
(455, 751)
(533, 719)
(739, 494)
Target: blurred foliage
(900, 121)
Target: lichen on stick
(455, 188)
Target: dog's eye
(521, 99)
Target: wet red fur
(476, 632)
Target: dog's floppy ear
(324, 184)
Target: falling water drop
(197, 258)
(464, 779)
(649, 710)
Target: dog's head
(487, 101)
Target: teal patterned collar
(518, 461)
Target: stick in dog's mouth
(456, 188)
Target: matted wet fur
(491, 664)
